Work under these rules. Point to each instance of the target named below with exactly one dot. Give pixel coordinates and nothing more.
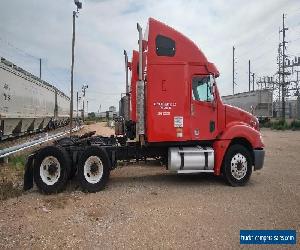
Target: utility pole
(249, 75)
(298, 95)
(84, 87)
(77, 105)
(283, 90)
(79, 6)
(279, 71)
(83, 109)
(253, 75)
(40, 68)
(233, 72)
(72, 74)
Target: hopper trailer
(172, 111)
(28, 104)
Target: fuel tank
(190, 158)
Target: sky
(34, 29)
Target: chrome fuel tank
(190, 158)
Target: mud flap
(28, 175)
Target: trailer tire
(237, 167)
(51, 169)
(93, 169)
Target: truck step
(194, 171)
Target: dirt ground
(144, 206)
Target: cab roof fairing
(186, 49)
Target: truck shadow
(201, 179)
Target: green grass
(295, 125)
(282, 125)
(11, 176)
(18, 162)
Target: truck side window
(165, 46)
(201, 89)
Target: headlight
(255, 123)
(261, 138)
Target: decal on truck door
(178, 121)
(178, 124)
(164, 108)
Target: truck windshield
(201, 89)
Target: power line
(105, 93)
(18, 49)
(266, 37)
(54, 76)
(28, 55)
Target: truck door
(203, 108)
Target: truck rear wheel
(51, 169)
(237, 165)
(93, 169)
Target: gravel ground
(144, 206)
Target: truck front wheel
(237, 165)
(93, 169)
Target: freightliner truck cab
(172, 111)
(174, 100)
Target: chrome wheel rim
(93, 169)
(239, 166)
(50, 170)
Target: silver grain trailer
(258, 102)
(27, 103)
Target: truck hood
(234, 115)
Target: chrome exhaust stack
(140, 95)
(126, 71)
(126, 101)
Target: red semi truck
(172, 111)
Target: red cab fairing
(171, 62)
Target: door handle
(212, 126)
(192, 109)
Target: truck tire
(93, 169)
(51, 169)
(237, 167)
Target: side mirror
(212, 79)
(214, 102)
(212, 85)
(213, 90)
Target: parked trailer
(179, 118)
(258, 102)
(27, 103)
